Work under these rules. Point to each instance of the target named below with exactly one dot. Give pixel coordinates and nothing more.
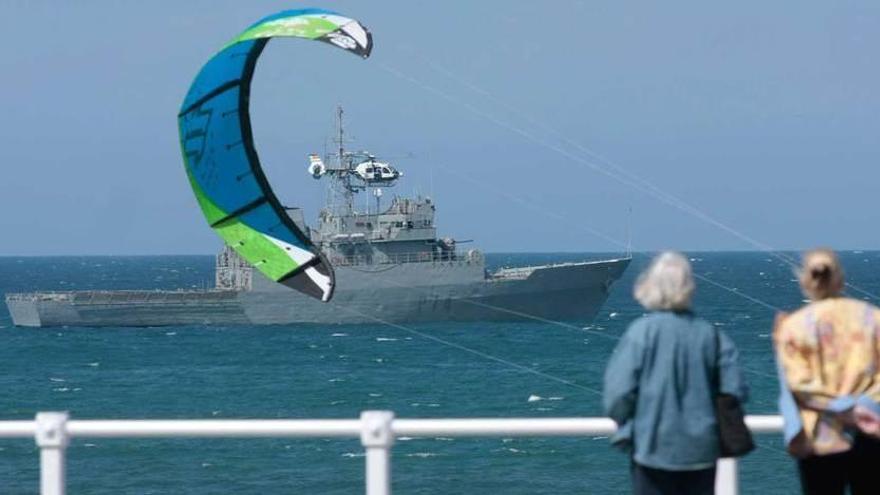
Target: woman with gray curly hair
(660, 385)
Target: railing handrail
(451, 427)
(376, 429)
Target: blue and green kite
(222, 163)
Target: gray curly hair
(667, 283)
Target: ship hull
(414, 292)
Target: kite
(221, 162)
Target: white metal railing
(376, 430)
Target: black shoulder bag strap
(734, 437)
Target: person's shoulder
(663, 319)
(643, 325)
(641, 322)
(653, 318)
(863, 311)
(794, 322)
(840, 307)
(800, 313)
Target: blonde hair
(667, 283)
(821, 275)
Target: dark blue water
(337, 371)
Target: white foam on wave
(386, 339)
(613, 314)
(423, 455)
(53, 379)
(515, 451)
(94, 364)
(352, 455)
(535, 398)
(339, 334)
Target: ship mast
(341, 188)
(350, 173)
(340, 133)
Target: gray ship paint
(389, 264)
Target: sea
(327, 371)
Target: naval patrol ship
(390, 266)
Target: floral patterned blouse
(828, 357)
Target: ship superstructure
(389, 262)
(350, 232)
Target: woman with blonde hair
(828, 359)
(662, 381)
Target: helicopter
(372, 171)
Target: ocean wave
(423, 455)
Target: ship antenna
(340, 134)
(343, 169)
(629, 233)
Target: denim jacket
(660, 389)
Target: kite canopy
(221, 161)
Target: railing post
(377, 438)
(726, 477)
(51, 436)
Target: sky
(536, 126)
